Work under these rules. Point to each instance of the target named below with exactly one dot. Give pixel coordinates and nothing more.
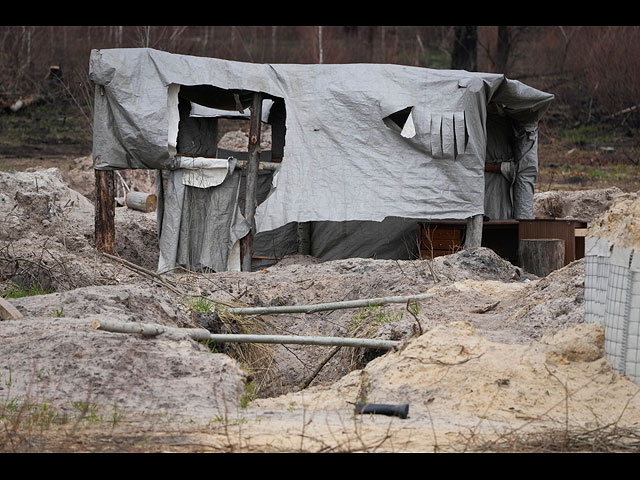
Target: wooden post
(474, 232)
(105, 211)
(246, 244)
(304, 238)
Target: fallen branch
(318, 307)
(315, 373)
(432, 361)
(486, 308)
(137, 268)
(200, 334)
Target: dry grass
(605, 439)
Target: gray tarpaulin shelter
(365, 150)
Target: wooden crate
(440, 239)
(446, 237)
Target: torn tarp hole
(401, 121)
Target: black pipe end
(401, 411)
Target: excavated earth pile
(495, 352)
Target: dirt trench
(494, 349)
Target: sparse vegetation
(249, 394)
(376, 315)
(18, 291)
(201, 305)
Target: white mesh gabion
(616, 314)
(597, 252)
(632, 363)
(612, 297)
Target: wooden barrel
(541, 256)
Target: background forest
(592, 71)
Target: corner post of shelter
(304, 238)
(105, 211)
(474, 232)
(246, 244)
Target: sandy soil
(501, 351)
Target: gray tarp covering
(344, 157)
(193, 217)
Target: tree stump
(145, 202)
(541, 256)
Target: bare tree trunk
(273, 43)
(465, 47)
(503, 48)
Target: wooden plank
(442, 233)
(442, 244)
(8, 311)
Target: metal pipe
(366, 302)
(151, 329)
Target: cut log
(145, 202)
(8, 311)
(541, 256)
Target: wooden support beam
(474, 232)
(8, 311)
(105, 211)
(304, 238)
(246, 244)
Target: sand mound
(488, 353)
(580, 205)
(620, 223)
(238, 140)
(47, 235)
(66, 364)
(459, 384)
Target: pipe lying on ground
(151, 329)
(366, 302)
(401, 410)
